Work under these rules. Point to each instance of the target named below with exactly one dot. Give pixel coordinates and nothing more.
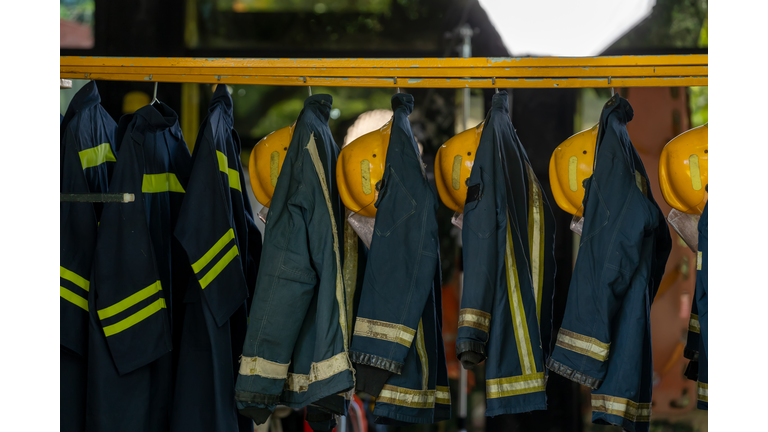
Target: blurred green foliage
(80, 11)
(672, 24)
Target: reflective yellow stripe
(263, 367)
(274, 167)
(513, 386)
(422, 351)
(573, 165)
(693, 324)
(165, 182)
(522, 339)
(74, 278)
(96, 156)
(456, 172)
(234, 176)
(317, 372)
(74, 298)
(475, 318)
(581, 344)
(443, 395)
(406, 397)
(212, 252)
(350, 269)
(130, 301)
(536, 238)
(693, 164)
(702, 391)
(365, 175)
(226, 259)
(630, 410)
(135, 318)
(383, 330)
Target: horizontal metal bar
(97, 197)
(496, 62)
(481, 72)
(407, 82)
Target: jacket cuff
(471, 345)
(371, 379)
(691, 354)
(257, 398)
(573, 375)
(376, 361)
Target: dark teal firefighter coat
(505, 216)
(296, 347)
(397, 342)
(140, 275)
(215, 229)
(87, 161)
(696, 347)
(605, 338)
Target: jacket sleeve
(484, 217)
(615, 222)
(288, 279)
(129, 297)
(206, 230)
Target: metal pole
(466, 52)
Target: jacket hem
(318, 390)
(516, 410)
(573, 374)
(470, 345)
(376, 361)
(601, 418)
(390, 413)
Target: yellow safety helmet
(683, 171)
(265, 162)
(453, 165)
(360, 167)
(572, 162)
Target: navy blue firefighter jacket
(498, 319)
(397, 342)
(605, 339)
(296, 347)
(87, 161)
(140, 276)
(215, 228)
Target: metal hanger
(154, 96)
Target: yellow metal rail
(543, 72)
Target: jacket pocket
(394, 205)
(480, 219)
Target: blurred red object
(75, 35)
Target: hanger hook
(154, 95)
(493, 82)
(310, 90)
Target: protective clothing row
(349, 299)
(165, 298)
(605, 339)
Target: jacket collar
(85, 98)
(320, 104)
(500, 101)
(223, 101)
(403, 100)
(621, 105)
(159, 116)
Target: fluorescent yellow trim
(96, 156)
(693, 324)
(699, 257)
(135, 318)
(233, 175)
(702, 391)
(475, 318)
(365, 174)
(406, 397)
(130, 301)
(693, 163)
(522, 338)
(74, 298)
(573, 165)
(212, 252)
(384, 331)
(350, 269)
(263, 368)
(157, 183)
(456, 172)
(422, 351)
(536, 238)
(584, 345)
(630, 410)
(223, 262)
(74, 278)
(317, 372)
(513, 386)
(641, 183)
